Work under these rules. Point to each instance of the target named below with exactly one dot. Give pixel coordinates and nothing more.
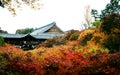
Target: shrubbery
(111, 27)
(107, 35)
(59, 40)
(111, 24)
(72, 35)
(85, 36)
(1, 40)
(96, 24)
(112, 43)
(3, 65)
(85, 39)
(62, 61)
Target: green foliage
(24, 31)
(2, 31)
(96, 24)
(112, 43)
(3, 63)
(98, 50)
(92, 49)
(110, 23)
(112, 7)
(1, 40)
(74, 36)
(94, 14)
(96, 39)
(83, 41)
(71, 33)
(111, 27)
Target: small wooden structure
(30, 41)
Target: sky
(68, 14)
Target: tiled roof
(13, 35)
(43, 29)
(46, 35)
(38, 34)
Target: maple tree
(13, 5)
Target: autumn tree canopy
(12, 5)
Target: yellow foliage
(85, 32)
(41, 53)
(98, 49)
(92, 49)
(97, 39)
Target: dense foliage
(94, 14)
(85, 36)
(111, 27)
(112, 43)
(111, 24)
(106, 35)
(74, 34)
(96, 24)
(1, 40)
(24, 31)
(57, 61)
(58, 40)
(112, 7)
(2, 31)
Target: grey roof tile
(43, 29)
(40, 36)
(46, 35)
(13, 35)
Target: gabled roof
(40, 33)
(44, 29)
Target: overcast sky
(68, 14)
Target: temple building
(30, 41)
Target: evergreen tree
(112, 7)
(2, 31)
(24, 31)
(94, 14)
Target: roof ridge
(53, 23)
(43, 28)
